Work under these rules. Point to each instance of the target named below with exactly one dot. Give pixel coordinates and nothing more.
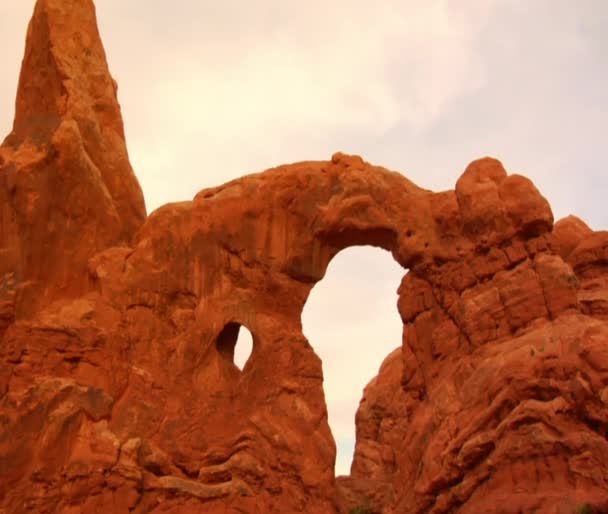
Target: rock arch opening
(352, 322)
(235, 344)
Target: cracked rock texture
(118, 391)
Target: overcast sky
(214, 90)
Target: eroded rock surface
(67, 189)
(118, 392)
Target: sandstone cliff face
(118, 392)
(503, 406)
(67, 189)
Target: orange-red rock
(67, 188)
(118, 392)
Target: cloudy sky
(214, 90)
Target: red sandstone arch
(108, 398)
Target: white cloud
(353, 323)
(230, 87)
(14, 17)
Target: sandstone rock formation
(68, 190)
(118, 392)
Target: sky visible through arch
(215, 90)
(352, 322)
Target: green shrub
(584, 509)
(361, 509)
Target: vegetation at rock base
(363, 509)
(584, 509)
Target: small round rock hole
(235, 343)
